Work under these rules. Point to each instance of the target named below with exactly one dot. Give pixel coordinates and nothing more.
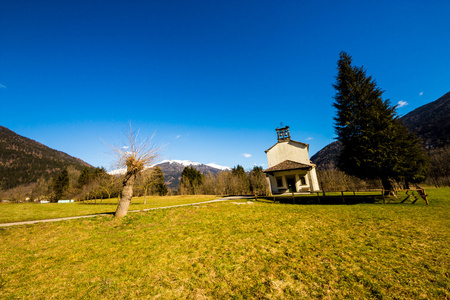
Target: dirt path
(130, 211)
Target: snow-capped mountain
(172, 170)
(181, 162)
(213, 165)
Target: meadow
(236, 250)
(34, 211)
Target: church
(290, 170)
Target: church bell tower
(283, 134)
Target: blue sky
(213, 79)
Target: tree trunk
(127, 194)
(407, 185)
(387, 186)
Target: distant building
(290, 170)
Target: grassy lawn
(33, 211)
(236, 250)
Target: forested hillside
(431, 122)
(23, 160)
(327, 156)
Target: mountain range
(431, 123)
(172, 170)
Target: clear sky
(212, 78)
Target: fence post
(423, 195)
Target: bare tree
(109, 184)
(258, 182)
(136, 154)
(145, 181)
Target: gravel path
(105, 214)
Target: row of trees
(90, 183)
(148, 182)
(234, 182)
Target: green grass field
(236, 250)
(34, 211)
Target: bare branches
(136, 152)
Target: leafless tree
(134, 155)
(109, 184)
(258, 182)
(145, 181)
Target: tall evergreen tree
(85, 177)
(61, 184)
(240, 180)
(375, 145)
(191, 179)
(158, 187)
(239, 171)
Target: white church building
(290, 170)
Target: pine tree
(191, 179)
(85, 177)
(375, 145)
(241, 180)
(158, 186)
(61, 184)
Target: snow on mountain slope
(213, 165)
(117, 172)
(184, 163)
(181, 162)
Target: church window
(279, 181)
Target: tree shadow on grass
(326, 200)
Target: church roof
(290, 141)
(288, 165)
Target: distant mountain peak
(173, 168)
(181, 162)
(187, 163)
(184, 163)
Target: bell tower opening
(283, 134)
